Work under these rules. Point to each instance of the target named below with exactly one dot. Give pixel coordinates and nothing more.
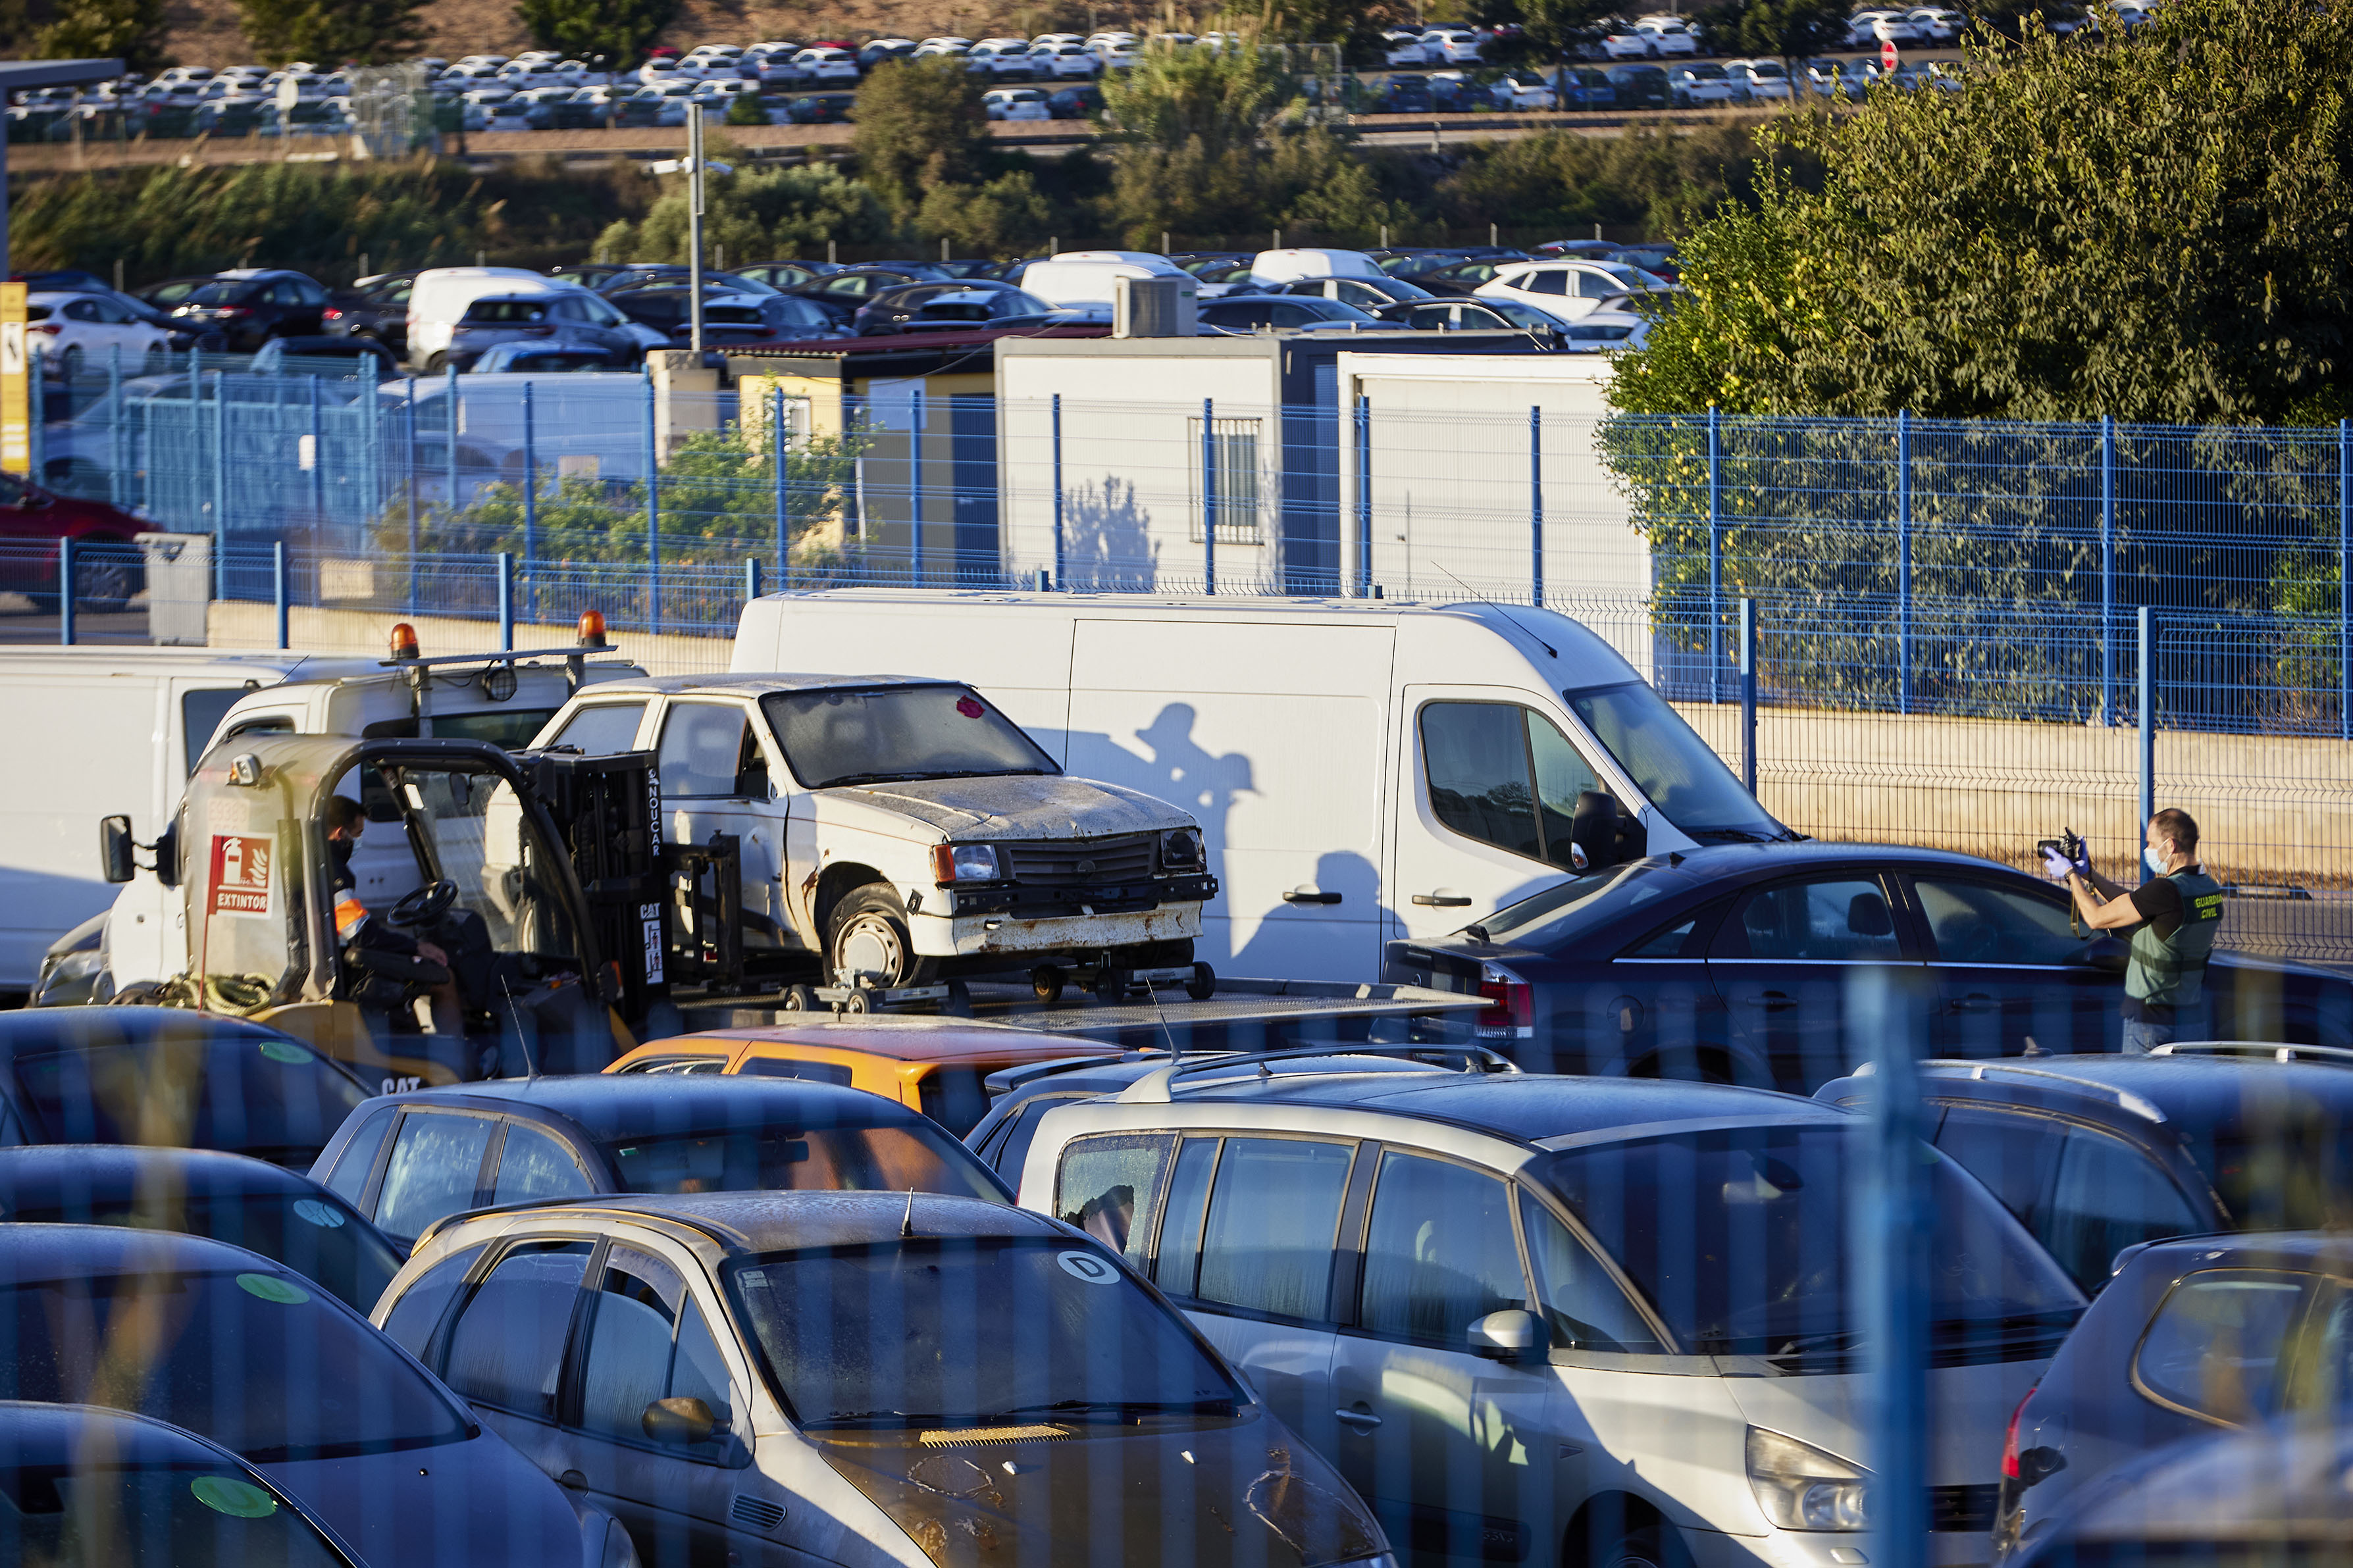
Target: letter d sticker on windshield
(1086, 1265)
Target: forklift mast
(607, 810)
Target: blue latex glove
(2058, 867)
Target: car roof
(27, 1030)
(757, 685)
(34, 1433)
(746, 1224)
(907, 1038)
(43, 1174)
(606, 1107)
(2283, 1249)
(82, 1251)
(2190, 1090)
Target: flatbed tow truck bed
(1244, 1015)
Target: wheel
(856, 1001)
(158, 360)
(959, 1002)
(799, 999)
(107, 575)
(868, 936)
(1046, 982)
(436, 363)
(70, 363)
(1110, 985)
(1649, 1546)
(1204, 984)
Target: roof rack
(1005, 1081)
(2257, 1050)
(1159, 1088)
(1977, 1070)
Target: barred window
(1231, 466)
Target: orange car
(934, 1065)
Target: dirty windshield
(898, 732)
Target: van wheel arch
(1621, 1530)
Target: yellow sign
(15, 384)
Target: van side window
(1439, 1252)
(1107, 1187)
(1270, 1255)
(1503, 775)
(602, 728)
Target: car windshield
(257, 1095)
(875, 1336)
(316, 1236)
(227, 293)
(898, 732)
(1739, 1238)
(1675, 770)
(250, 1359)
(151, 1516)
(791, 1159)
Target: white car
(658, 70)
(1066, 61)
(1606, 330)
(1019, 61)
(1524, 90)
(824, 65)
(1757, 81)
(1569, 289)
(1116, 55)
(1668, 37)
(509, 114)
(1015, 104)
(77, 334)
(1451, 46)
(668, 99)
(1937, 24)
(1856, 78)
(1872, 27)
(1698, 86)
(952, 48)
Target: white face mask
(2156, 857)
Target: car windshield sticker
(311, 1211)
(285, 1051)
(238, 1499)
(970, 706)
(1086, 1265)
(270, 1288)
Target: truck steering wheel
(424, 905)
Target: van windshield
(1740, 1237)
(898, 732)
(1675, 770)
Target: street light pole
(694, 227)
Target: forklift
(538, 929)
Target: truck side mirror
(1514, 1334)
(114, 846)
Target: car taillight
(1511, 1010)
(2010, 1439)
(49, 328)
(331, 314)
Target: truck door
(715, 778)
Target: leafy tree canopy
(331, 32)
(620, 30)
(920, 124)
(2155, 228)
(129, 30)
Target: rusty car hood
(1020, 806)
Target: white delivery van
(1362, 770)
(438, 297)
(1272, 267)
(1081, 280)
(904, 830)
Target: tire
(158, 360)
(799, 999)
(959, 1000)
(107, 575)
(867, 933)
(1046, 983)
(70, 363)
(1650, 1545)
(856, 1001)
(1110, 986)
(436, 363)
(1204, 984)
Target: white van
(1272, 267)
(1364, 770)
(438, 297)
(1081, 280)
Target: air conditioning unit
(1154, 306)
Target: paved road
(20, 625)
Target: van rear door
(1272, 736)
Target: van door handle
(1441, 900)
(1976, 1002)
(1362, 1421)
(572, 1478)
(1309, 896)
(1771, 1001)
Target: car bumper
(1814, 1549)
(981, 936)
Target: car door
(1787, 959)
(437, 1168)
(716, 779)
(2014, 971)
(1483, 808)
(504, 1354)
(643, 1337)
(1655, 1011)
(1451, 1449)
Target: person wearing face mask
(355, 927)
(2172, 919)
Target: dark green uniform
(2180, 912)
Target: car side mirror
(1513, 1335)
(114, 846)
(679, 1421)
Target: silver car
(864, 1379)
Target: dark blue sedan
(1741, 963)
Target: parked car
(73, 334)
(742, 1363)
(1739, 962)
(894, 309)
(1402, 46)
(1638, 87)
(784, 276)
(374, 308)
(2098, 1154)
(1461, 315)
(1622, 42)
(844, 291)
(341, 356)
(250, 307)
(1582, 87)
(286, 1217)
(1524, 90)
(1288, 313)
(823, 109)
(1568, 288)
(1406, 95)
(1083, 102)
(1370, 295)
(727, 316)
(572, 316)
(1015, 104)
(537, 356)
(1451, 46)
(1757, 81)
(410, 1160)
(1668, 36)
(186, 1500)
(1698, 86)
(1607, 1270)
(255, 1358)
(108, 567)
(171, 1077)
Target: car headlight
(1801, 1488)
(1180, 849)
(965, 862)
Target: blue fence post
(1903, 561)
(1364, 413)
(220, 482)
(529, 508)
(65, 575)
(408, 428)
(1536, 506)
(1894, 1224)
(1210, 498)
(653, 514)
(784, 514)
(506, 601)
(2107, 569)
(318, 459)
(1715, 554)
(455, 417)
(1058, 489)
(2147, 723)
(115, 464)
(1749, 692)
(915, 489)
(279, 590)
(2344, 580)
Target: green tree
(757, 213)
(620, 30)
(1647, 180)
(2154, 229)
(331, 32)
(1560, 25)
(920, 125)
(1789, 30)
(1001, 217)
(129, 30)
(1205, 141)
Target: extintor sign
(239, 879)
